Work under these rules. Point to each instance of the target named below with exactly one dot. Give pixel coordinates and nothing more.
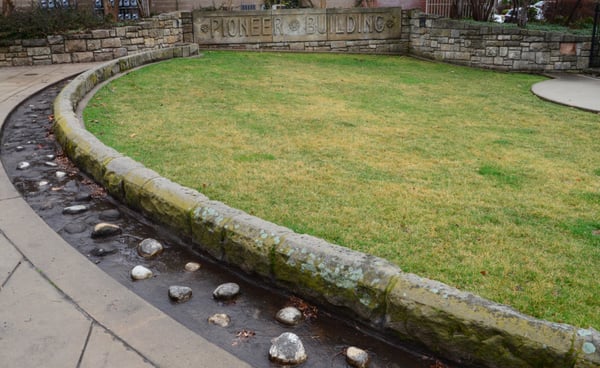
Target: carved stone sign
(222, 27)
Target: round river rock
(149, 248)
(105, 229)
(287, 348)
(192, 266)
(357, 357)
(140, 273)
(75, 227)
(180, 294)
(110, 215)
(220, 319)
(73, 210)
(290, 316)
(226, 291)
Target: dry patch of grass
(455, 174)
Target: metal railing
(449, 8)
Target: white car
(511, 15)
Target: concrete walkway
(57, 309)
(580, 91)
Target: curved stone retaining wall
(460, 326)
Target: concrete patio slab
(32, 311)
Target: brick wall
(97, 45)
(496, 47)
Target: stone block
(100, 33)
(44, 61)
(119, 52)
(514, 54)
(167, 202)
(103, 55)
(208, 222)
(324, 271)
(528, 56)
(542, 57)
(83, 57)
(524, 65)
(533, 38)
(54, 40)
(35, 42)
(568, 48)
(120, 31)
(491, 51)
(61, 58)
(75, 46)
(297, 46)
(537, 46)
(94, 44)
(79, 36)
(111, 42)
(38, 51)
(57, 49)
(248, 242)
(22, 61)
(430, 312)
(562, 65)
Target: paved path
(57, 309)
(574, 90)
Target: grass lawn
(456, 174)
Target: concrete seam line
(461, 326)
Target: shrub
(39, 23)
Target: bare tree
(482, 9)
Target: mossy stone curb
(460, 326)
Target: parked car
(535, 12)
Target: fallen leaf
(308, 311)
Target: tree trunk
(482, 9)
(111, 9)
(7, 7)
(572, 13)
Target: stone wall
(380, 30)
(400, 32)
(97, 45)
(359, 30)
(495, 46)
